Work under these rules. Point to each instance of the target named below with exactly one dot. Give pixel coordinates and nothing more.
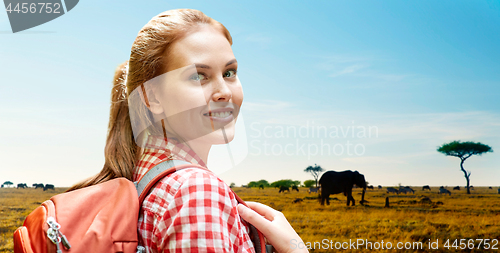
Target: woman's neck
(200, 148)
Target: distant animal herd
(333, 182)
(401, 189)
(35, 186)
(407, 189)
(284, 188)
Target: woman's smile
(223, 115)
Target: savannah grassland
(460, 216)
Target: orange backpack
(99, 218)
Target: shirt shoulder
(188, 183)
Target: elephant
(333, 182)
(283, 189)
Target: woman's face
(201, 93)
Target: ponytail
(121, 152)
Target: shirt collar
(177, 149)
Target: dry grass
(461, 216)
(15, 205)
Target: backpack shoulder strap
(157, 173)
(259, 242)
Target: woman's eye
(230, 73)
(198, 77)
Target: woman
(177, 96)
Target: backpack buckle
(141, 249)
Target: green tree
(296, 183)
(464, 150)
(285, 182)
(252, 184)
(315, 172)
(262, 182)
(309, 183)
(8, 183)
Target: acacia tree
(8, 183)
(464, 150)
(315, 171)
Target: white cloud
(266, 105)
(370, 160)
(348, 70)
(358, 66)
(385, 77)
(420, 127)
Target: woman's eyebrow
(231, 62)
(204, 66)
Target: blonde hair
(148, 59)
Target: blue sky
(420, 72)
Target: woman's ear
(150, 100)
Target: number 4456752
(471, 244)
(34, 7)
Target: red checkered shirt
(190, 210)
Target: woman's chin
(208, 136)
(220, 137)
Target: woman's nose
(221, 91)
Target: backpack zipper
(55, 236)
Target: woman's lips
(220, 115)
